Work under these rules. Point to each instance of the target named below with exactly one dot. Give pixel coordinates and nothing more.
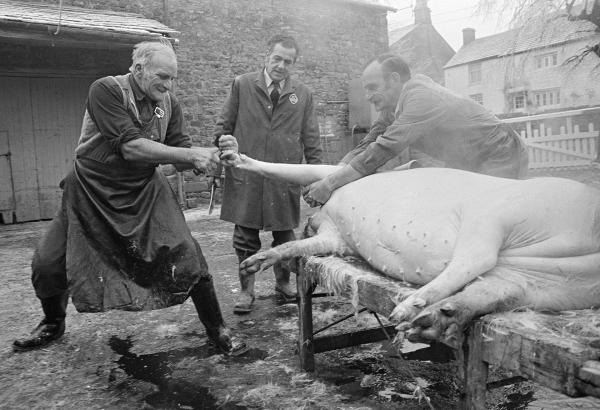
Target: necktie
(275, 94)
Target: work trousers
(247, 239)
(48, 267)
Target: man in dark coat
(432, 122)
(272, 117)
(119, 240)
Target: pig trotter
(439, 321)
(408, 309)
(260, 262)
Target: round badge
(294, 99)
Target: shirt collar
(137, 91)
(269, 80)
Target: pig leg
(445, 320)
(476, 252)
(326, 241)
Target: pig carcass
(476, 244)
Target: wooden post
(475, 370)
(305, 324)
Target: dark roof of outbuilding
(38, 18)
(556, 31)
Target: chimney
(468, 35)
(422, 12)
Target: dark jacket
(453, 130)
(287, 135)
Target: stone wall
(223, 38)
(220, 39)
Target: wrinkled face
(280, 62)
(156, 78)
(382, 92)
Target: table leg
(475, 369)
(305, 323)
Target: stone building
(217, 40)
(526, 71)
(420, 44)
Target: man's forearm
(156, 153)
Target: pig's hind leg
(326, 241)
(445, 320)
(476, 251)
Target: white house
(525, 71)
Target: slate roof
(87, 20)
(557, 31)
(399, 33)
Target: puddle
(173, 393)
(518, 401)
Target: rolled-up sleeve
(419, 114)
(107, 109)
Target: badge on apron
(294, 99)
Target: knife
(216, 183)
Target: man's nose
(168, 84)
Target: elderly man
(432, 122)
(273, 119)
(119, 240)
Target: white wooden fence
(562, 147)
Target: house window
(519, 101)
(546, 60)
(475, 73)
(544, 98)
(478, 98)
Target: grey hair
(143, 52)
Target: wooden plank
(547, 148)
(15, 105)
(339, 341)
(355, 279)
(574, 163)
(7, 195)
(57, 110)
(546, 348)
(584, 135)
(551, 115)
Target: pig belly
(407, 239)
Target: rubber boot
(282, 284)
(207, 305)
(245, 300)
(50, 328)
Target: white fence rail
(562, 147)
